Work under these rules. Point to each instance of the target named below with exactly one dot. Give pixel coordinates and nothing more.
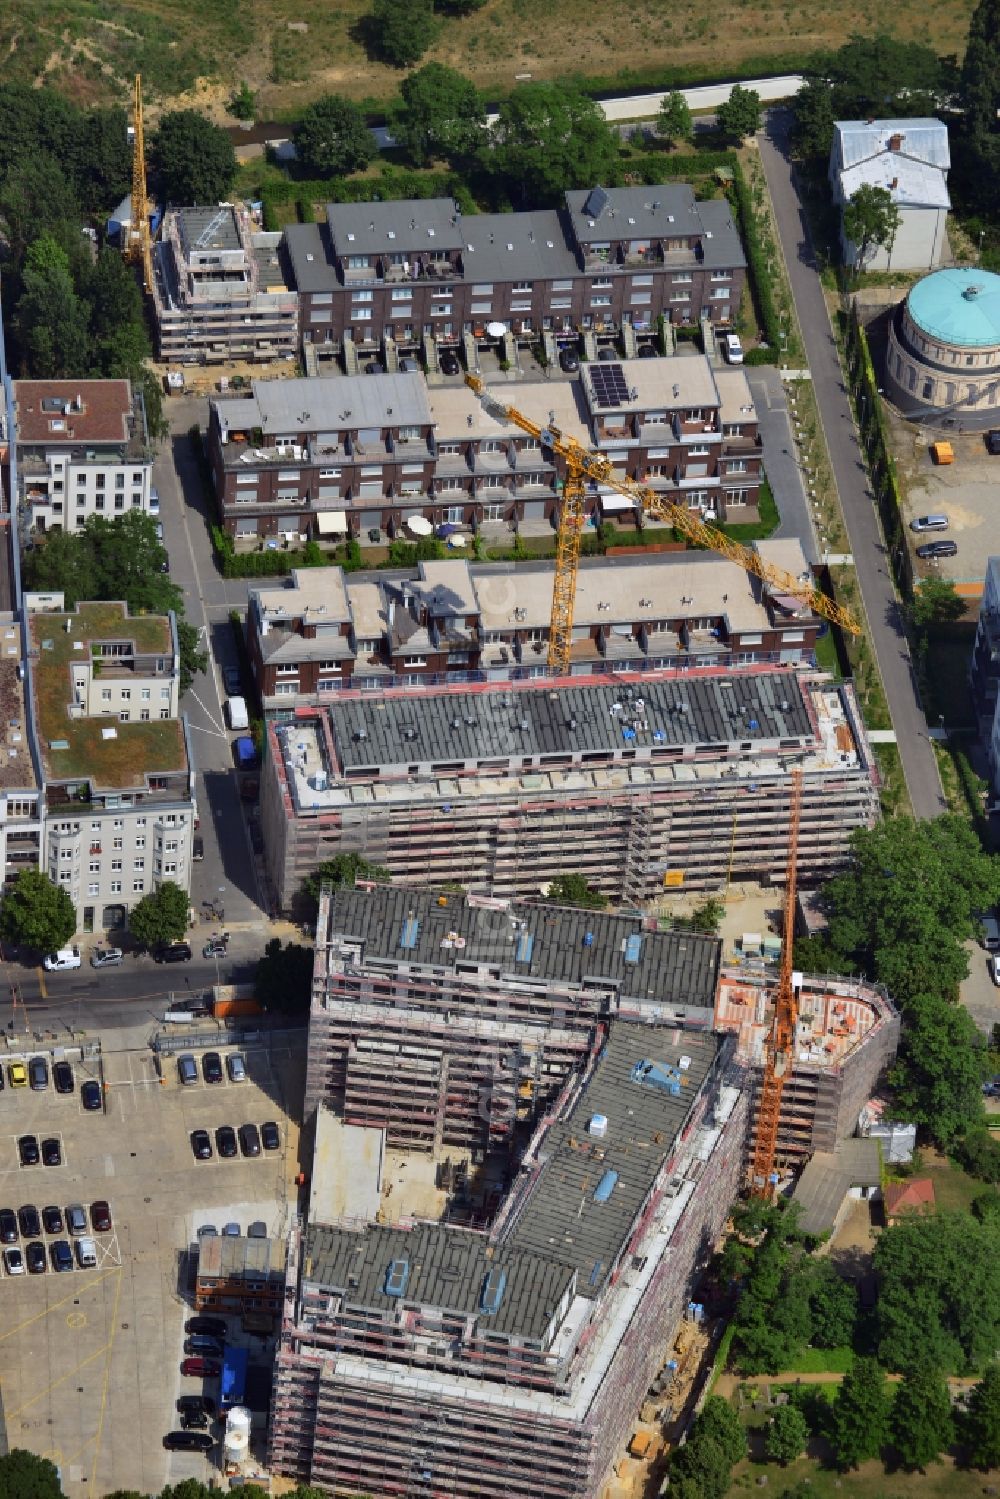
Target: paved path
(780, 462)
(882, 605)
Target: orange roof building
(902, 1198)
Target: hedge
(390, 185)
(659, 167)
(760, 282)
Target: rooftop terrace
(102, 750)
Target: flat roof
(315, 594)
(308, 249)
(652, 384)
(458, 413)
(214, 227)
(288, 407)
(347, 1167)
(400, 227)
(504, 720)
(563, 945)
(516, 246)
(77, 748)
(100, 411)
(734, 393)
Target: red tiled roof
(106, 407)
(909, 1197)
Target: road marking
(12, 1331)
(57, 1382)
(41, 984)
(107, 1375)
(76, 1319)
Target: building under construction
(677, 779)
(432, 1359)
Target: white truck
(236, 709)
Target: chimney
(896, 142)
(894, 184)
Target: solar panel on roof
(597, 202)
(609, 385)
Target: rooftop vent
(411, 931)
(605, 1186)
(396, 1278)
(598, 1126)
(494, 1286)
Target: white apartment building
(83, 449)
(119, 780)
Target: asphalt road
(781, 464)
(881, 602)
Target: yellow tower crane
(581, 465)
(139, 249)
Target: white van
(66, 957)
(236, 708)
(732, 348)
(86, 1254)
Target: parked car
(188, 1441)
(993, 441)
(569, 360)
(608, 353)
(28, 1221)
(732, 349)
(225, 1141)
(187, 1069)
(204, 1346)
(62, 1077)
(13, 1261)
(215, 949)
(61, 1255)
(8, 1226)
(86, 1254)
(448, 362)
(409, 366)
(208, 1231)
(18, 1074)
(173, 952)
(249, 1139)
(270, 1136)
(236, 1067)
(66, 957)
(257, 1230)
(100, 1217)
(929, 523)
(232, 680)
(230, 1230)
(215, 1327)
(201, 1144)
(76, 1219)
(203, 1368)
(27, 1150)
(194, 1421)
(34, 1255)
(648, 351)
(932, 549)
(211, 1067)
(38, 1073)
(90, 1095)
(51, 1151)
(198, 849)
(52, 1219)
(196, 1402)
(107, 957)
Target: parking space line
(107, 1375)
(57, 1382)
(73, 1296)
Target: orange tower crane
(139, 249)
(582, 464)
(781, 1042)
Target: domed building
(943, 358)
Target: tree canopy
(859, 1414)
(673, 123)
(573, 890)
(920, 1423)
(871, 222)
(786, 1435)
(25, 1476)
(193, 159)
(342, 869)
(283, 979)
(701, 1469)
(161, 916)
(739, 116)
(549, 137)
(442, 115)
(36, 913)
(981, 1427)
(403, 29)
(939, 1293)
(937, 1076)
(332, 137)
(936, 602)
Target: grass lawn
(941, 1481)
(823, 1361)
(953, 1187)
(826, 654)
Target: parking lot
(91, 1358)
(964, 491)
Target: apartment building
(21, 800)
(417, 274)
(364, 455)
(240, 1277)
(321, 630)
(219, 290)
(664, 779)
(115, 756)
(83, 450)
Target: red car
(204, 1368)
(100, 1217)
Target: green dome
(958, 306)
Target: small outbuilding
(909, 1198)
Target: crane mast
(139, 250)
(582, 464)
(780, 1045)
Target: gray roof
(911, 184)
(829, 1176)
(446, 1267)
(292, 406)
(307, 247)
(725, 248)
(514, 723)
(213, 228)
(408, 224)
(636, 213)
(555, 944)
(562, 1220)
(924, 139)
(516, 247)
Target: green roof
(77, 748)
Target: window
(139, 864)
(124, 715)
(144, 715)
(720, 294)
(682, 278)
(138, 886)
(116, 865)
(493, 511)
(559, 303)
(641, 298)
(361, 296)
(115, 887)
(286, 689)
(642, 280)
(481, 309)
(164, 712)
(94, 866)
(401, 294)
(440, 309)
(164, 696)
(414, 660)
(105, 694)
(453, 515)
(140, 842)
(737, 466)
(93, 889)
(357, 262)
(116, 842)
(600, 301)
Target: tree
(333, 138)
(812, 128)
(37, 198)
(283, 980)
(871, 220)
(342, 869)
(403, 29)
(740, 115)
(979, 1154)
(194, 660)
(673, 123)
(442, 114)
(939, 1293)
(549, 137)
(981, 1426)
(243, 102)
(980, 99)
(833, 1306)
(786, 1435)
(62, 563)
(573, 890)
(859, 1414)
(878, 76)
(985, 1207)
(921, 1424)
(718, 1422)
(36, 913)
(699, 1470)
(25, 1476)
(161, 916)
(193, 160)
(936, 1077)
(935, 602)
(50, 321)
(103, 161)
